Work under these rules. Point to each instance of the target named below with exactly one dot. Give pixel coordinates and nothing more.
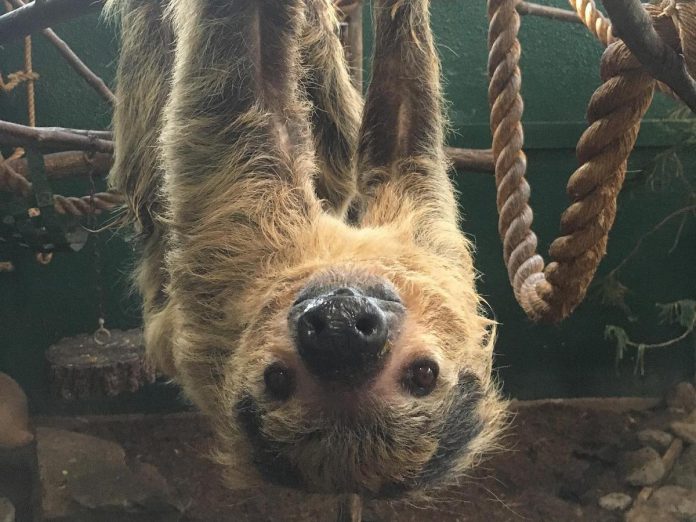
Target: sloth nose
(342, 337)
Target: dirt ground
(561, 458)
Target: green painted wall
(39, 305)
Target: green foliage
(665, 172)
(681, 312)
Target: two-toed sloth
(330, 356)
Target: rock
(643, 467)
(14, 414)
(682, 397)
(7, 511)
(685, 431)
(676, 500)
(656, 439)
(615, 501)
(645, 513)
(19, 478)
(84, 476)
(684, 472)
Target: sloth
(303, 274)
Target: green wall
(560, 69)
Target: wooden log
(82, 368)
(62, 165)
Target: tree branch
(634, 26)
(553, 13)
(38, 15)
(13, 134)
(474, 160)
(74, 61)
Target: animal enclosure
(640, 299)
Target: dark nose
(342, 336)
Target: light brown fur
(261, 119)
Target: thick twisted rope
(600, 27)
(551, 293)
(598, 24)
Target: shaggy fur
(241, 203)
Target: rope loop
(551, 292)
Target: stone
(646, 513)
(682, 397)
(19, 478)
(7, 511)
(84, 476)
(676, 500)
(643, 467)
(14, 414)
(615, 501)
(656, 439)
(684, 472)
(685, 431)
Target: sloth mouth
(459, 425)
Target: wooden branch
(75, 62)
(62, 165)
(634, 26)
(15, 135)
(38, 15)
(474, 160)
(68, 164)
(553, 13)
(102, 134)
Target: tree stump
(82, 368)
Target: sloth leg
(142, 78)
(336, 106)
(401, 162)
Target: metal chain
(102, 334)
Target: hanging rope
(16, 78)
(28, 71)
(600, 27)
(551, 292)
(27, 75)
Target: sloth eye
(280, 382)
(421, 377)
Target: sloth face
(361, 378)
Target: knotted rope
(16, 78)
(551, 292)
